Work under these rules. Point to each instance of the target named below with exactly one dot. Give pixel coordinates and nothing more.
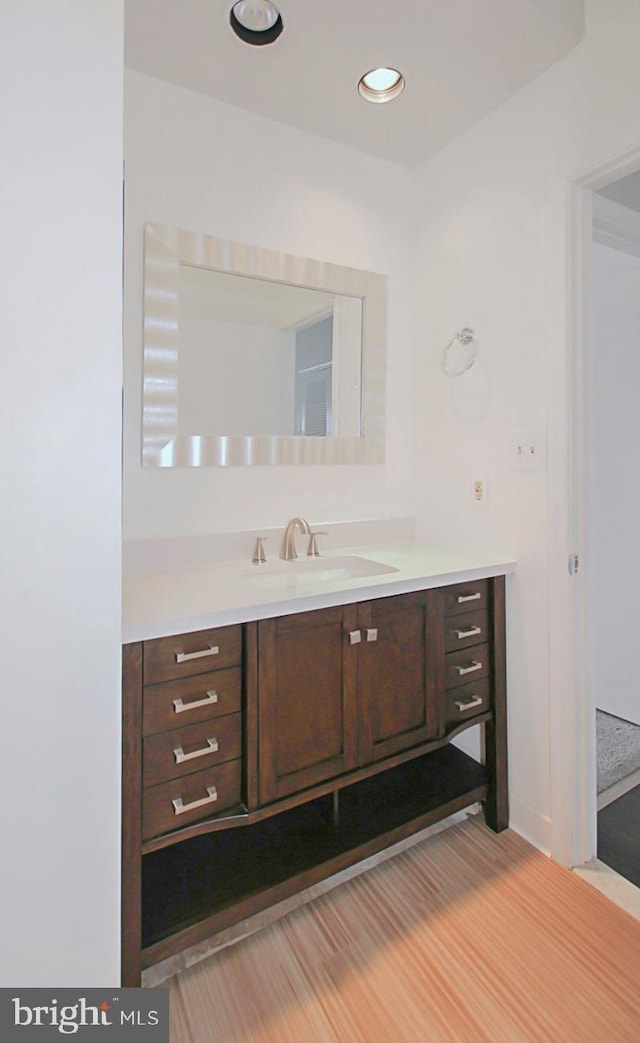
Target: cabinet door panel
(397, 668)
(400, 677)
(304, 705)
(309, 703)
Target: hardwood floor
(468, 937)
(619, 835)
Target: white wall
(493, 256)
(198, 164)
(61, 204)
(614, 491)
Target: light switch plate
(529, 449)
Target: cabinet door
(306, 702)
(400, 673)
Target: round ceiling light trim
(257, 22)
(381, 85)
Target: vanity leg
(131, 922)
(497, 803)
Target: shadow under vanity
(264, 756)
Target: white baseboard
(530, 824)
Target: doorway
(572, 737)
(575, 504)
(612, 441)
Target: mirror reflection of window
(314, 361)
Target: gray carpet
(618, 749)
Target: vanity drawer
(466, 597)
(468, 700)
(462, 631)
(465, 666)
(180, 802)
(188, 654)
(169, 755)
(190, 700)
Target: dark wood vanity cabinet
(262, 757)
(306, 682)
(400, 674)
(344, 687)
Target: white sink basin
(314, 572)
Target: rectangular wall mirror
(258, 357)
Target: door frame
(572, 737)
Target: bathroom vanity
(300, 732)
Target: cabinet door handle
(181, 756)
(355, 637)
(372, 633)
(180, 807)
(471, 632)
(475, 700)
(180, 707)
(474, 665)
(469, 597)
(183, 657)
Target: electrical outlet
(479, 491)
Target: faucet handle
(312, 550)
(259, 556)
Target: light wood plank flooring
(466, 937)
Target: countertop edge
(367, 589)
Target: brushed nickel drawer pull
(355, 637)
(183, 657)
(469, 597)
(471, 632)
(372, 633)
(474, 665)
(180, 707)
(180, 807)
(181, 756)
(475, 700)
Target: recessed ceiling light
(380, 85)
(256, 21)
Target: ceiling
(460, 58)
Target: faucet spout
(288, 550)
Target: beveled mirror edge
(165, 249)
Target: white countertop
(180, 600)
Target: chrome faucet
(288, 550)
